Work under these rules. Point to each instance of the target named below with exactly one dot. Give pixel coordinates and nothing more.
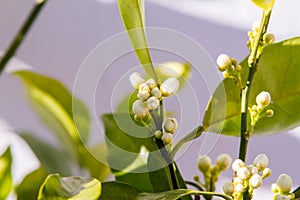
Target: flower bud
(243, 173)
(284, 183)
(156, 92)
(263, 99)
(281, 197)
(266, 172)
(167, 138)
(237, 164)
(228, 188)
(152, 103)
(158, 134)
(269, 38)
(256, 26)
(255, 181)
(226, 74)
(136, 79)
(169, 87)
(253, 170)
(223, 161)
(238, 180)
(204, 163)
(238, 68)
(143, 95)
(170, 125)
(140, 109)
(261, 161)
(224, 61)
(239, 188)
(151, 83)
(274, 188)
(269, 113)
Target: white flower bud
(136, 79)
(238, 180)
(269, 38)
(239, 188)
(263, 99)
(266, 172)
(170, 125)
(261, 161)
(152, 103)
(256, 26)
(140, 109)
(253, 170)
(223, 161)
(151, 83)
(228, 188)
(167, 138)
(169, 87)
(158, 134)
(237, 164)
(243, 173)
(255, 181)
(224, 61)
(274, 188)
(156, 92)
(143, 95)
(281, 197)
(204, 163)
(284, 183)
(144, 87)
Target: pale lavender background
(67, 30)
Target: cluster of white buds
(211, 173)
(230, 68)
(170, 126)
(282, 188)
(268, 38)
(248, 177)
(150, 93)
(263, 100)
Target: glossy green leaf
(277, 74)
(53, 159)
(132, 13)
(56, 187)
(5, 174)
(121, 191)
(29, 187)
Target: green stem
(13, 47)
(253, 63)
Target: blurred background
(67, 30)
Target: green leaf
(132, 13)
(54, 103)
(54, 160)
(277, 74)
(121, 191)
(5, 174)
(118, 191)
(264, 4)
(29, 187)
(56, 187)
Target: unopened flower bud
(261, 161)
(228, 188)
(152, 103)
(167, 138)
(238, 68)
(158, 134)
(169, 87)
(239, 188)
(151, 83)
(140, 109)
(269, 113)
(226, 74)
(291, 195)
(284, 183)
(136, 79)
(274, 188)
(143, 95)
(269, 38)
(281, 197)
(223, 161)
(170, 125)
(255, 181)
(243, 173)
(238, 180)
(204, 163)
(266, 172)
(156, 92)
(237, 164)
(256, 26)
(224, 61)
(263, 99)
(252, 169)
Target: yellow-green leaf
(5, 174)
